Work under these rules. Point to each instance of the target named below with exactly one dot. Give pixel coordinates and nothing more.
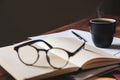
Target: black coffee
(102, 21)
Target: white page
(113, 50)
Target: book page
(10, 62)
(114, 49)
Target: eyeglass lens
(28, 54)
(58, 58)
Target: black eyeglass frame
(16, 48)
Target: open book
(86, 58)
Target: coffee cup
(102, 31)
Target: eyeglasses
(57, 58)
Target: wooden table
(81, 25)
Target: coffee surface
(101, 21)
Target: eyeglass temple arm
(80, 37)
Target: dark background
(20, 19)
